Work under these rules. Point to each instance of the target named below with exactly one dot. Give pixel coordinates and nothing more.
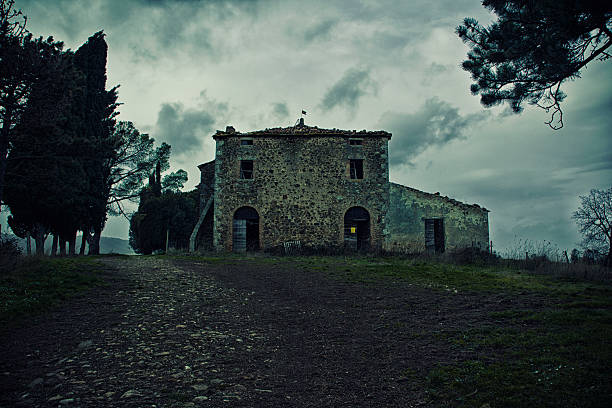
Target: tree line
(165, 216)
(66, 163)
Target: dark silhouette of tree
(14, 78)
(98, 112)
(70, 164)
(23, 60)
(45, 182)
(533, 48)
(174, 181)
(594, 219)
(134, 158)
(171, 210)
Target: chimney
(301, 121)
(230, 129)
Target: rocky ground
(186, 333)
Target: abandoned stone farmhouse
(306, 187)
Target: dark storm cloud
(349, 89)
(186, 26)
(421, 11)
(171, 23)
(319, 30)
(280, 110)
(181, 127)
(186, 128)
(170, 2)
(436, 123)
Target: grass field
(556, 354)
(559, 355)
(37, 284)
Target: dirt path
(184, 333)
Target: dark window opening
(246, 142)
(434, 235)
(246, 169)
(355, 142)
(356, 168)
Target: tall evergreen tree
(23, 60)
(14, 77)
(98, 111)
(43, 189)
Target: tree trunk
(72, 243)
(62, 246)
(83, 242)
(39, 238)
(4, 145)
(54, 245)
(28, 244)
(94, 245)
(167, 240)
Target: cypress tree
(42, 183)
(98, 111)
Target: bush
(473, 256)
(10, 254)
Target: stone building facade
(419, 221)
(319, 188)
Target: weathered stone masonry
(299, 185)
(465, 225)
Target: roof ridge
(445, 198)
(303, 130)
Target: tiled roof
(303, 130)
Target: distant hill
(111, 245)
(108, 245)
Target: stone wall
(204, 237)
(207, 181)
(464, 225)
(301, 187)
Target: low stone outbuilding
(303, 186)
(419, 221)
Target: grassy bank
(36, 284)
(557, 353)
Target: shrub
(473, 256)
(10, 254)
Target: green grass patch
(37, 284)
(519, 383)
(562, 358)
(422, 272)
(443, 276)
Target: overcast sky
(187, 68)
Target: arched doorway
(357, 228)
(245, 230)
